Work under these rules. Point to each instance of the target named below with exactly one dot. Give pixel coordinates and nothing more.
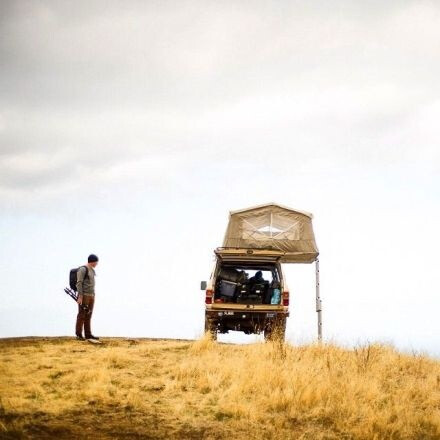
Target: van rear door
(233, 254)
(255, 259)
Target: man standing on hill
(85, 286)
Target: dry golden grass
(164, 389)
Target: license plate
(229, 313)
(271, 315)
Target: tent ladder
(318, 301)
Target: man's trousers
(84, 316)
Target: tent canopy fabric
(273, 227)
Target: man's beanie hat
(92, 258)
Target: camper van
(247, 290)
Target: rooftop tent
(276, 228)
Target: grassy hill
(163, 389)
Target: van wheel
(277, 331)
(211, 328)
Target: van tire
(211, 328)
(277, 331)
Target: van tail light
(285, 299)
(208, 297)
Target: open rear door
(231, 254)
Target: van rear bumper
(243, 314)
(244, 320)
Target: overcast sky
(131, 129)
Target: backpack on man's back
(73, 277)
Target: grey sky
(130, 111)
